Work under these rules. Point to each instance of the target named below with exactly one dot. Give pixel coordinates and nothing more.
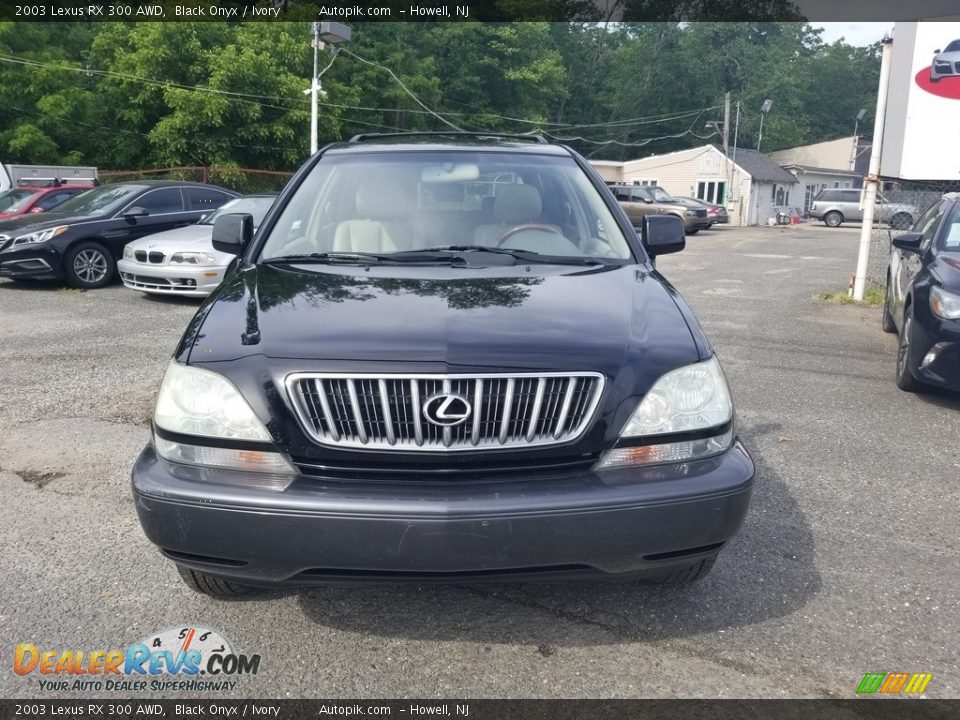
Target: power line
(405, 88)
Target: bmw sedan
(81, 240)
(184, 261)
(923, 298)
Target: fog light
(932, 354)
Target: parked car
(923, 298)
(835, 206)
(32, 199)
(81, 240)
(184, 261)
(639, 201)
(716, 214)
(442, 358)
(946, 62)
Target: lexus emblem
(446, 410)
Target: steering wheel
(526, 226)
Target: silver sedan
(183, 261)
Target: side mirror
(232, 232)
(936, 52)
(908, 241)
(662, 234)
(648, 201)
(136, 212)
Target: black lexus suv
(443, 357)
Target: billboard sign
(922, 125)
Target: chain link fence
(242, 180)
(915, 198)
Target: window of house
(712, 191)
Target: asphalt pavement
(847, 563)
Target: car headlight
(194, 401)
(944, 304)
(198, 402)
(192, 258)
(40, 236)
(690, 399)
(127, 252)
(690, 213)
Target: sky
(855, 33)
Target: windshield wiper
(528, 256)
(362, 258)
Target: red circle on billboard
(948, 87)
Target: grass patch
(873, 296)
(69, 291)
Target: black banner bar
(112, 709)
(360, 11)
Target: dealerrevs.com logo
(182, 658)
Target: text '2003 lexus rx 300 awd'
(442, 358)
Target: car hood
(951, 56)
(551, 317)
(23, 224)
(176, 239)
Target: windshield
(14, 200)
(393, 202)
(99, 201)
(255, 206)
(953, 47)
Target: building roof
(760, 167)
(822, 171)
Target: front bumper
(943, 70)
(194, 281)
(936, 352)
(38, 261)
(634, 522)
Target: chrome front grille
(4, 240)
(387, 412)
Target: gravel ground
(846, 564)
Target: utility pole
(726, 146)
(764, 109)
(872, 179)
(314, 88)
(322, 33)
(733, 160)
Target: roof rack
(364, 137)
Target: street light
(764, 109)
(321, 34)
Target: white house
(748, 183)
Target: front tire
(89, 265)
(694, 231)
(886, 322)
(905, 379)
(687, 575)
(832, 219)
(212, 586)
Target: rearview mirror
(908, 241)
(662, 234)
(232, 232)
